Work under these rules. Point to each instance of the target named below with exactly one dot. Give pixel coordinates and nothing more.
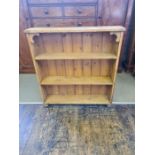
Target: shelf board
(75, 29)
(77, 99)
(75, 56)
(63, 80)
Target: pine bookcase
(76, 65)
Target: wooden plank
(105, 68)
(96, 48)
(115, 67)
(76, 99)
(77, 48)
(67, 49)
(60, 64)
(50, 44)
(36, 65)
(53, 72)
(64, 80)
(87, 47)
(75, 29)
(75, 56)
(107, 42)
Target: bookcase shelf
(75, 56)
(76, 65)
(77, 99)
(64, 80)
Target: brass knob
(46, 12)
(48, 25)
(79, 11)
(79, 24)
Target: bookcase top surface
(74, 29)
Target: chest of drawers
(49, 13)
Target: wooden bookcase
(76, 65)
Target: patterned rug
(77, 130)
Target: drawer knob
(46, 12)
(48, 25)
(79, 24)
(79, 11)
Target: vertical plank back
(86, 64)
(68, 48)
(77, 48)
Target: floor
(124, 90)
(77, 130)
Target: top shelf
(75, 56)
(75, 29)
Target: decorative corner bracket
(117, 34)
(31, 37)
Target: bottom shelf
(77, 99)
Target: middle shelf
(75, 56)
(63, 80)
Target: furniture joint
(117, 34)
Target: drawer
(43, 1)
(86, 22)
(53, 22)
(85, 11)
(46, 11)
(63, 22)
(79, 1)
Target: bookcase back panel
(76, 68)
(78, 90)
(76, 43)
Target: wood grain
(76, 66)
(107, 13)
(74, 29)
(63, 80)
(75, 56)
(77, 99)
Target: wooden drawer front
(53, 22)
(46, 11)
(79, 1)
(43, 1)
(63, 22)
(87, 11)
(86, 22)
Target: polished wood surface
(39, 13)
(74, 29)
(77, 99)
(25, 60)
(62, 80)
(76, 57)
(76, 130)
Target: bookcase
(76, 65)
